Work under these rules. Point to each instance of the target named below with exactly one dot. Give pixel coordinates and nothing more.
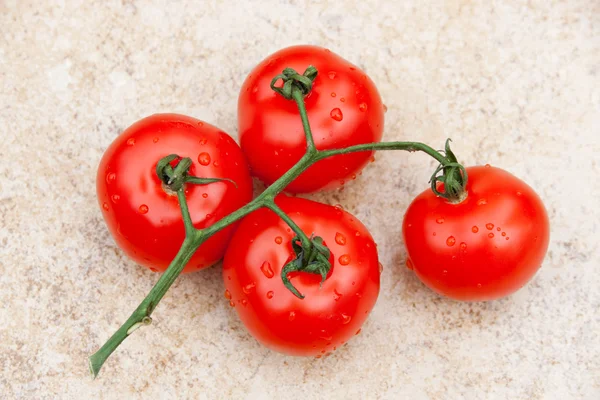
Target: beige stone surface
(514, 83)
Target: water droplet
(463, 245)
(227, 294)
(228, 277)
(353, 176)
(380, 267)
(481, 202)
(255, 89)
(204, 159)
(487, 165)
(200, 124)
(267, 270)
(203, 141)
(440, 220)
(503, 233)
(409, 264)
(318, 356)
(490, 235)
(475, 229)
(270, 294)
(336, 114)
(340, 239)
(105, 206)
(434, 234)
(155, 140)
(344, 259)
(346, 319)
(336, 295)
(333, 94)
(325, 335)
(343, 99)
(357, 233)
(479, 286)
(110, 177)
(216, 163)
(358, 331)
(249, 288)
(385, 108)
(275, 152)
(519, 194)
(115, 198)
(498, 229)
(244, 302)
(450, 241)
(507, 238)
(489, 226)
(292, 316)
(143, 209)
(278, 240)
(331, 74)
(205, 195)
(445, 272)
(130, 142)
(362, 107)
(231, 303)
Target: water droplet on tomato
(481, 202)
(205, 195)
(487, 165)
(115, 198)
(155, 140)
(463, 245)
(270, 294)
(331, 74)
(340, 239)
(409, 264)
(105, 206)
(143, 209)
(278, 240)
(353, 176)
(216, 163)
(380, 267)
(343, 99)
(434, 234)
(227, 294)
(336, 114)
(336, 295)
(203, 141)
(130, 142)
(333, 94)
(357, 233)
(372, 159)
(479, 286)
(450, 241)
(503, 233)
(519, 194)
(255, 89)
(358, 332)
(440, 220)
(249, 288)
(385, 108)
(200, 124)
(498, 229)
(475, 229)
(346, 319)
(507, 238)
(490, 235)
(489, 226)
(344, 259)
(204, 159)
(292, 316)
(267, 270)
(445, 272)
(362, 107)
(110, 177)
(244, 302)
(231, 303)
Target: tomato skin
(271, 133)
(484, 248)
(327, 317)
(143, 219)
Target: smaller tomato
(483, 248)
(331, 313)
(145, 219)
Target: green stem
(298, 98)
(306, 245)
(185, 214)
(407, 146)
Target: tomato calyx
(312, 260)
(292, 80)
(173, 171)
(454, 177)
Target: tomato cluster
(484, 246)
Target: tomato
(142, 217)
(484, 248)
(344, 109)
(329, 315)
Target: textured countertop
(514, 83)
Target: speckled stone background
(514, 83)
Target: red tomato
(344, 109)
(146, 221)
(329, 315)
(486, 247)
